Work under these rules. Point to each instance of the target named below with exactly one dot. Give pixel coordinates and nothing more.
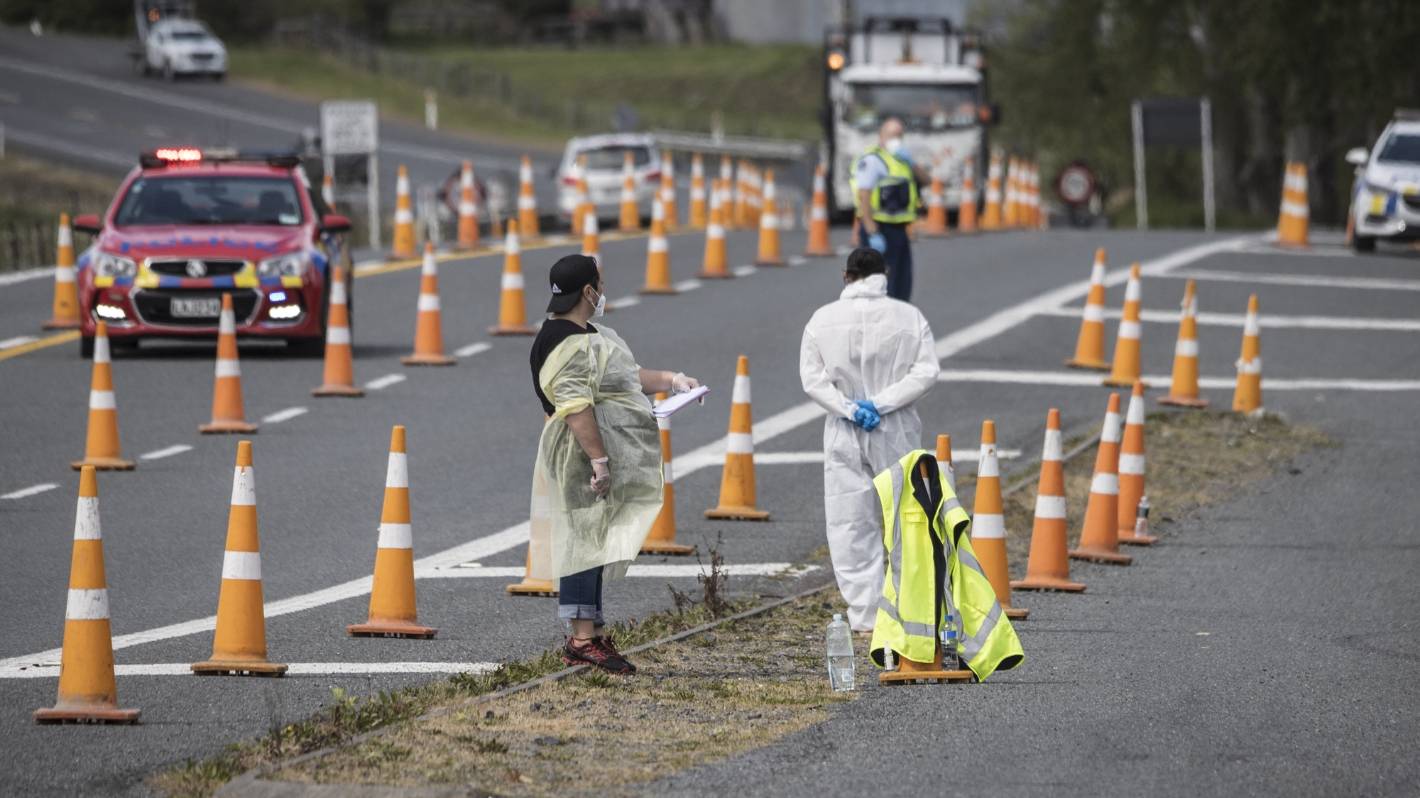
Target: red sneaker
(598, 652)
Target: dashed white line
(1266, 320)
(623, 303)
(26, 274)
(30, 491)
(50, 670)
(472, 349)
(795, 260)
(746, 270)
(167, 451)
(1305, 280)
(380, 383)
(284, 415)
(19, 340)
(687, 285)
(1077, 380)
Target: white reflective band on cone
(1094, 313)
(525, 173)
(715, 231)
(988, 525)
(741, 394)
(663, 422)
(467, 209)
(241, 565)
(243, 487)
(401, 184)
(526, 203)
(397, 471)
(228, 368)
(337, 293)
(818, 213)
(1296, 181)
(1110, 433)
(657, 244)
(1051, 451)
(86, 519)
(1253, 366)
(1251, 325)
(1186, 347)
(66, 236)
(1106, 484)
(1295, 209)
(512, 246)
(395, 536)
(101, 350)
(1050, 507)
(101, 400)
(668, 473)
(430, 267)
(337, 335)
(1135, 413)
(740, 443)
(64, 274)
(403, 216)
(428, 302)
(227, 322)
(986, 464)
(1131, 290)
(89, 604)
(1097, 273)
(512, 280)
(1131, 464)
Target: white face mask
(893, 145)
(599, 309)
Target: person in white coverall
(865, 358)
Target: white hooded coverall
(864, 346)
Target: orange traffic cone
(1183, 388)
(944, 460)
(936, 222)
(1131, 472)
(630, 213)
(726, 189)
(429, 325)
(392, 604)
(327, 190)
(988, 523)
(1010, 209)
(403, 246)
(699, 216)
(754, 197)
(228, 412)
(468, 208)
(1294, 217)
(537, 576)
(1099, 540)
(1048, 567)
(991, 216)
(668, 204)
(737, 496)
(769, 251)
(512, 307)
(66, 291)
(1126, 345)
(966, 208)
(101, 448)
(716, 262)
(740, 210)
(583, 201)
(658, 256)
(339, 379)
(1032, 214)
(1247, 395)
(1089, 347)
(661, 539)
(819, 245)
(239, 643)
(87, 691)
(527, 200)
(591, 236)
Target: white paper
(678, 401)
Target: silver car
(605, 155)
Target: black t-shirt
(552, 333)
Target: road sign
(349, 127)
(1075, 184)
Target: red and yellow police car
(188, 226)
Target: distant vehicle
(188, 226)
(1385, 198)
(920, 70)
(172, 42)
(605, 155)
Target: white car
(184, 47)
(1385, 199)
(605, 155)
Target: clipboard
(678, 401)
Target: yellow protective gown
(585, 532)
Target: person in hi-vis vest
(884, 186)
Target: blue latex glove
(876, 241)
(867, 416)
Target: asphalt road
(1119, 671)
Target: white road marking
(50, 670)
(51, 144)
(1324, 251)
(284, 415)
(474, 570)
(26, 274)
(795, 260)
(1081, 380)
(687, 285)
(1305, 280)
(745, 271)
(710, 454)
(796, 458)
(1266, 319)
(472, 349)
(167, 451)
(18, 340)
(368, 265)
(623, 303)
(30, 491)
(380, 383)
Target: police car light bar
(180, 156)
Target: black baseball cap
(567, 278)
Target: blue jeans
(898, 258)
(579, 596)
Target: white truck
(921, 70)
(172, 42)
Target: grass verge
(32, 195)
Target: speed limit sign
(1075, 184)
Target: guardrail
(742, 146)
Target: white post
(1205, 115)
(1141, 197)
(431, 110)
(372, 198)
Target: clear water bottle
(950, 660)
(841, 661)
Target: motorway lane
(318, 475)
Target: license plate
(195, 307)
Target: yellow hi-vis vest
(894, 198)
(921, 539)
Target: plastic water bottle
(950, 660)
(841, 661)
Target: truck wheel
(1363, 243)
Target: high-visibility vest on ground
(910, 617)
(894, 198)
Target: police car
(188, 226)
(1385, 199)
